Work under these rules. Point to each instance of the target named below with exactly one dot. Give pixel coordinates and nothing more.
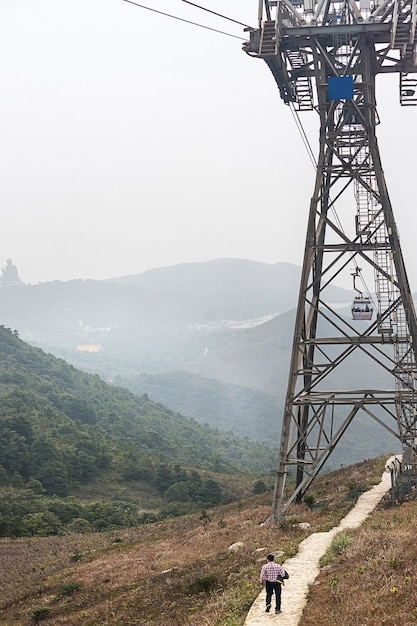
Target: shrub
(259, 487)
(40, 613)
(204, 584)
(4, 478)
(309, 500)
(337, 547)
(40, 524)
(175, 509)
(79, 525)
(65, 590)
(178, 492)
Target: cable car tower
(324, 56)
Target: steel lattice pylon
(325, 56)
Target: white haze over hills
(160, 319)
(211, 340)
(133, 141)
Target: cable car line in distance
(218, 14)
(181, 19)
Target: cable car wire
(294, 113)
(181, 19)
(218, 14)
(303, 135)
(313, 159)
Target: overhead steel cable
(218, 14)
(303, 135)
(181, 19)
(313, 160)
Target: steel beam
(340, 44)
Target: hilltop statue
(10, 275)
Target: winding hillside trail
(304, 567)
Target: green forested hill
(62, 429)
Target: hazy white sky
(130, 141)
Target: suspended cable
(303, 135)
(313, 160)
(214, 13)
(180, 19)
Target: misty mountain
(242, 385)
(210, 340)
(157, 310)
(224, 288)
(243, 410)
(257, 357)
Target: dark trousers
(270, 588)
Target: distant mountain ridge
(168, 333)
(228, 288)
(160, 319)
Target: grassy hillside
(181, 571)
(66, 433)
(368, 575)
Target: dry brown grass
(373, 583)
(175, 572)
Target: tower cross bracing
(325, 56)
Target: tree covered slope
(61, 429)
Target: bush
(205, 584)
(176, 509)
(178, 492)
(40, 524)
(65, 590)
(337, 547)
(259, 487)
(79, 525)
(40, 613)
(309, 500)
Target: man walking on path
(305, 565)
(270, 574)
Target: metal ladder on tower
(268, 43)
(392, 322)
(403, 30)
(303, 88)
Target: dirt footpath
(304, 567)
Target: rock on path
(304, 567)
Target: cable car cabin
(362, 309)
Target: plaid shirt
(270, 571)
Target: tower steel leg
(326, 345)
